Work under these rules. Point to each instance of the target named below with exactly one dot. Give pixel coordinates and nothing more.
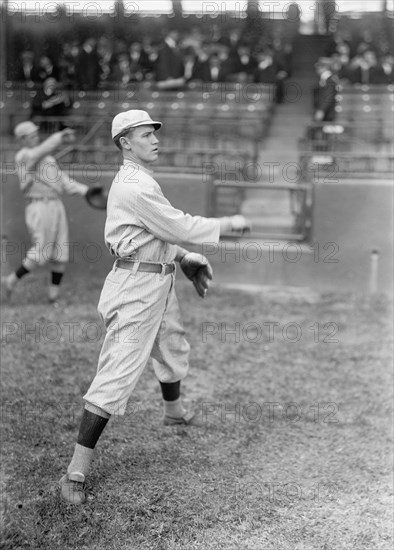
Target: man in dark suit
(169, 66)
(121, 72)
(26, 69)
(88, 66)
(215, 69)
(46, 69)
(325, 91)
(245, 64)
(191, 63)
(51, 101)
(139, 61)
(269, 71)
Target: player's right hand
(68, 135)
(240, 224)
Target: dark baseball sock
(21, 272)
(90, 429)
(172, 402)
(56, 277)
(171, 391)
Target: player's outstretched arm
(72, 186)
(48, 146)
(170, 224)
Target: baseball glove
(96, 197)
(197, 268)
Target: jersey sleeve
(71, 186)
(34, 154)
(169, 224)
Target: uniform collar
(138, 166)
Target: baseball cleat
(53, 293)
(5, 283)
(188, 419)
(72, 488)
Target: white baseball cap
(25, 129)
(132, 119)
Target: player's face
(143, 143)
(32, 140)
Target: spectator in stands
(106, 59)
(87, 66)
(292, 22)
(139, 62)
(169, 67)
(245, 64)
(340, 67)
(230, 41)
(51, 101)
(366, 41)
(387, 64)
(217, 68)
(192, 39)
(192, 64)
(121, 72)
(203, 51)
(234, 39)
(196, 62)
(228, 68)
(268, 71)
(325, 92)
(365, 69)
(67, 64)
(283, 52)
(336, 43)
(151, 50)
(46, 69)
(26, 69)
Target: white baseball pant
(47, 224)
(142, 319)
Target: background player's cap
(25, 129)
(132, 119)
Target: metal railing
(300, 200)
(332, 166)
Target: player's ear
(125, 143)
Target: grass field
(295, 447)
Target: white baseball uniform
(42, 182)
(140, 310)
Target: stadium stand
(359, 143)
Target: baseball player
(42, 182)
(138, 304)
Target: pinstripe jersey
(142, 224)
(40, 175)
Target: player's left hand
(197, 268)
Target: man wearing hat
(138, 304)
(42, 182)
(325, 91)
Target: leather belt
(148, 267)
